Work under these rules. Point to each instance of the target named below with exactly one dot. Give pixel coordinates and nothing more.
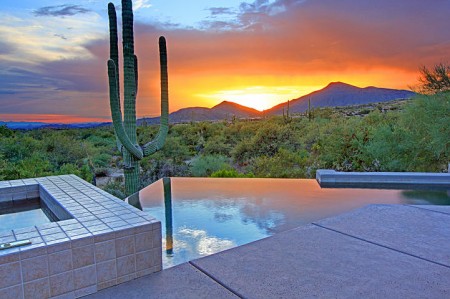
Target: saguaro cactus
(125, 128)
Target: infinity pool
(202, 216)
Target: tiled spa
(83, 240)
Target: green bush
(204, 166)
(284, 164)
(231, 173)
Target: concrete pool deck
(390, 251)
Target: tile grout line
(380, 245)
(216, 280)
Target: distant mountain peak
(341, 94)
(232, 107)
(339, 84)
(226, 103)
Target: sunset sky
(53, 53)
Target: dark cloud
(60, 10)
(6, 48)
(308, 38)
(259, 6)
(215, 11)
(61, 36)
(220, 25)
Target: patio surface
(379, 251)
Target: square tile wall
(98, 248)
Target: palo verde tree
(434, 80)
(125, 128)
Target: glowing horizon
(254, 53)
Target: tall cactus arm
(113, 47)
(114, 53)
(136, 73)
(129, 72)
(158, 142)
(117, 115)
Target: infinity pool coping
(332, 178)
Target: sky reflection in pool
(202, 216)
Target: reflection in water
(428, 197)
(205, 244)
(168, 214)
(206, 215)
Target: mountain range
(341, 94)
(333, 95)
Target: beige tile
(35, 268)
(61, 283)
(84, 277)
(104, 237)
(124, 232)
(144, 228)
(157, 268)
(83, 256)
(105, 251)
(60, 262)
(69, 295)
(33, 251)
(126, 265)
(85, 291)
(157, 239)
(125, 246)
(106, 271)
(157, 226)
(58, 246)
(144, 241)
(144, 260)
(106, 284)
(9, 257)
(157, 256)
(82, 240)
(143, 273)
(12, 292)
(126, 278)
(37, 289)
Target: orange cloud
(287, 48)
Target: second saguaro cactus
(125, 127)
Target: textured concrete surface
(379, 251)
(411, 230)
(183, 281)
(315, 262)
(441, 209)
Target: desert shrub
(435, 80)
(6, 132)
(32, 166)
(19, 147)
(419, 140)
(265, 142)
(204, 166)
(231, 173)
(83, 171)
(284, 164)
(217, 145)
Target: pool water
(202, 216)
(22, 214)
